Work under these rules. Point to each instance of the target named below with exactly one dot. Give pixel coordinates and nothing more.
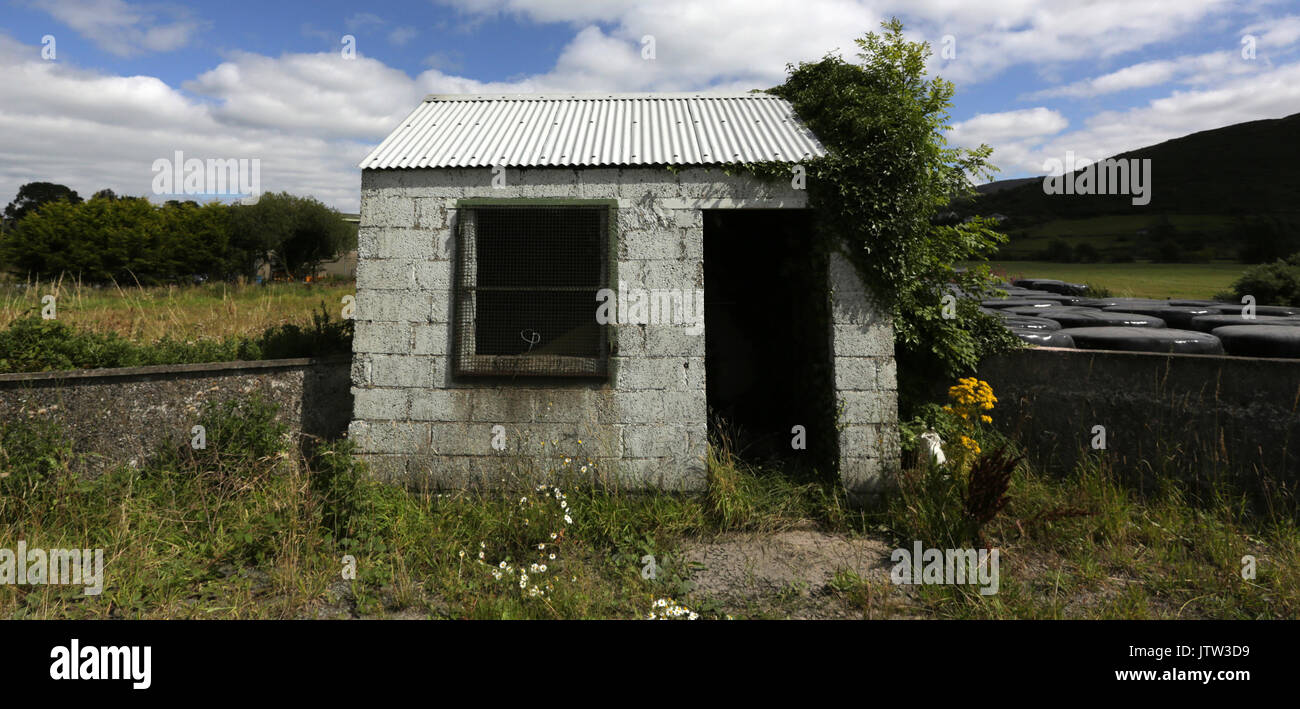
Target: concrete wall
(1203, 418)
(645, 427)
(120, 416)
(866, 383)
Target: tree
(1276, 283)
(888, 176)
(33, 196)
(295, 234)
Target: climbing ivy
(880, 192)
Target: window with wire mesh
(526, 290)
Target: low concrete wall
(121, 415)
(1203, 418)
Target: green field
(1141, 280)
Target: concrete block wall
(866, 382)
(644, 427)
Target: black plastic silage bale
(1208, 323)
(1177, 316)
(1260, 340)
(1142, 339)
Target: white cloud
(1269, 94)
(1277, 33)
(992, 127)
(123, 29)
(989, 38)
(1211, 67)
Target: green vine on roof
(888, 176)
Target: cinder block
(862, 477)
(394, 306)
(689, 218)
(652, 373)
(572, 406)
(854, 308)
(674, 341)
(403, 371)
(544, 182)
(645, 213)
(431, 339)
(399, 437)
(386, 208)
(638, 474)
(379, 404)
(855, 374)
(691, 241)
(506, 405)
(886, 373)
(433, 275)
(598, 183)
(387, 468)
(655, 183)
(654, 441)
(382, 338)
(360, 371)
(639, 244)
(430, 213)
(842, 276)
(458, 439)
(384, 274)
(861, 407)
(629, 340)
(863, 341)
(669, 272)
(695, 375)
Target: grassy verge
(249, 527)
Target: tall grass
(147, 314)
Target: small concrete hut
(577, 275)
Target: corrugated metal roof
(535, 130)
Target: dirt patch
(793, 574)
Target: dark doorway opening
(767, 341)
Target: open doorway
(767, 342)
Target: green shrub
(1276, 283)
(324, 337)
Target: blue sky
(132, 82)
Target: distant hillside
(1227, 193)
(1000, 185)
(1247, 168)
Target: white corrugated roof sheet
(572, 130)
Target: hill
(1231, 192)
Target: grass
(209, 311)
(249, 527)
(1140, 280)
(1088, 547)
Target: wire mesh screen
(526, 291)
